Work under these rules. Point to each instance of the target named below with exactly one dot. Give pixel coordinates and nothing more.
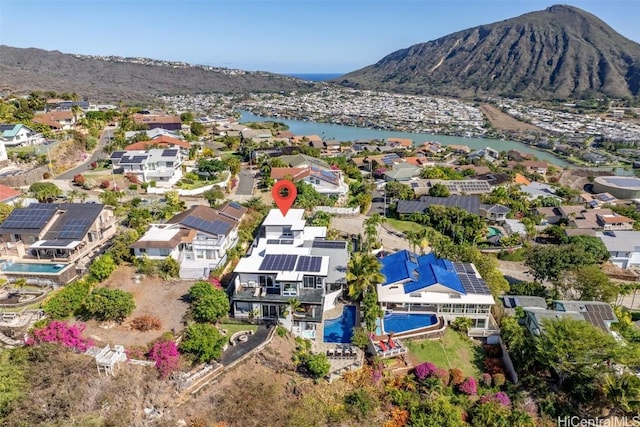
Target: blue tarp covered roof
(420, 271)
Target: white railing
(337, 211)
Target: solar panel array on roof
(235, 205)
(278, 262)
(28, 218)
(212, 227)
(329, 244)
(73, 229)
(134, 159)
(117, 154)
(467, 186)
(598, 314)
(309, 263)
(169, 153)
(6, 127)
(59, 243)
(471, 283)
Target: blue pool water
(340, 329)
(403, 322)
(22, 267)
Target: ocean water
(316, 77)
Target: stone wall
(24, 178)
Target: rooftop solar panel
(309, 263)
(73, 229)
(6, 127)
(29, 218)
(169, 153)
(329, 244)
(117, 154)
(235, 205)
(278, 263)
(212, 227)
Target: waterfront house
(197, 238)
(162, 166)
(13, 135)
(404, 143)
(428, 284)
(401, 172)
(531, 166)
(290, 261)
(623, 247)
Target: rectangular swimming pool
(24, 267)
(340, 329)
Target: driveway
(377, 203)
(245, 184)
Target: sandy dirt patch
(503, 121)
(154, 296)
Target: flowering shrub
(456, 376)
(493, 365)
(61, 333)
(166, 356)
(79, 179)
(498, 380)
(215, 282)
(105, 184)
(500, 397)
(425, 370)
(132, 178)
(468, 386)
(443, 375)
(486, 379)
(94, 165)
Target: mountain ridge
(115, 78)
(561, 52)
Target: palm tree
(413, 237)
(622, 391)
(363, 274)
(294, 305)
(73, 195)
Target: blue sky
(283, 36)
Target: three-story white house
(287, 262)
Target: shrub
(443, 375)
(492, 350)
(500, 397)
(457, 377)
(102, 267)
(67, 301)
(109, 304)
(79, 179)
(94, 165)
(360, 403)
(133, 187)
(203, 341)
(425, 370)
(152, 184)
(498, 380)
(132, 178)
(468, 386)
(493, 365)
(105, 183)
(281, 331)
(46, 175)
(486, 379)
(166, 356)
(136, 352)
(61, 333)
(146, 323)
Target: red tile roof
(161, 141)
(7, 193)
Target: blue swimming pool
(23, 267)
(404, 322)
(340, 329)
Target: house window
(267, 281)
(290, 289)
(286, 232)
(480, 323)
(165, 252)
(142, 250)
(309, 282)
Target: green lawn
(451, 351)
(232, 328)
(404, 226)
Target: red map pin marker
(284, 193)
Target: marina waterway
(331, 131)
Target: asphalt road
(97, 153)
(246, 181)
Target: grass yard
(232, 328)
(404, 226)
(451, 351)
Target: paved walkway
(234, 353)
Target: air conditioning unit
(251, 284)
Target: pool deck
(341, 365)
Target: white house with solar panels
(429, 285)
(290, 260)
(197, 238)
(163, 166)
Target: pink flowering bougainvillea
(61, 333)
(468, 386)
(500, 397)
(425, 370)
(166, 356)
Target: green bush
(281, 331)
(208, 303)
(109, 304)
(203, 341)
(67, 301)
(102, 267)
(133, 187)
(360, 403)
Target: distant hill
(128, 79)
(559, 53)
